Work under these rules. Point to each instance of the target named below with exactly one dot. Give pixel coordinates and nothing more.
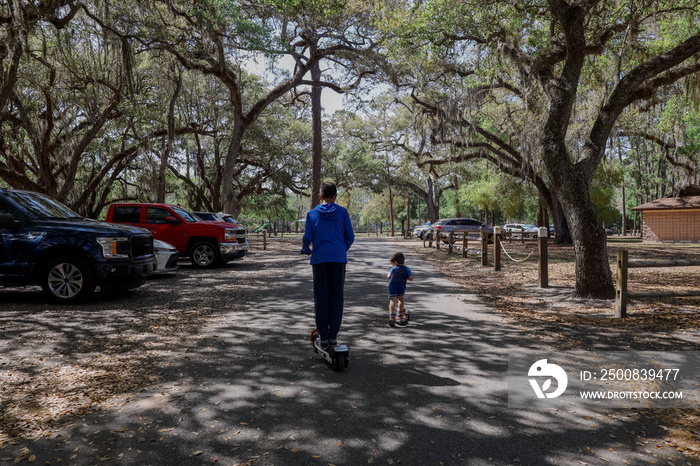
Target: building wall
(671, 225)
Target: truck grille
(240, 236)
(141, 246)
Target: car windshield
(41, 206)
(206, 216)
(187, 215)
(229, 219)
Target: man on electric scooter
(329, 231)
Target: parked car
(471, 226)
(207, 244)
(215, 217)
(166, 257)
(44, 242)
(516, 229)
(419, 231)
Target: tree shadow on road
(238, 381)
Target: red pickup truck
(207, 244)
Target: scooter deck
(335, 355)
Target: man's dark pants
(329, 284)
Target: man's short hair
(328, 190)
(398, 258)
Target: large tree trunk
(561, 227)
(317, 144)
(430, 199)
(408, 213)
(235, 209)
(571, 187)
(571, 182)
(170, 141)
(593, 275)
(231, 203)
(458, 212)
(391, 199)
(562, 233)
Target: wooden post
(497, 249)
(437, 240)
(465, 244)
(484, 248)
(264, 240)
(621, 286)
(543, 262)
(450, 239)
(522, 235)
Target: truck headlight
(113, 248)
(230, 235)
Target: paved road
(248, 388)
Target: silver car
(471, 226)
(215, 217)
(166, 257)
(420, 230)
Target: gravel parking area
(58, 361)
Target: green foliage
(349, 159)
(376, 209)
(71, 74)
(508, 197)
(328, 9)
(603, 192)
(267, 206)
(680, 120)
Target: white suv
(516, 229)
(471, 226)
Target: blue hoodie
(329, 229)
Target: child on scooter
(398, 276)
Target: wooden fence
(624, 264)
(482, 238)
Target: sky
(330, 100)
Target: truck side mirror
(172, 221)
(9, 221)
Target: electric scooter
(335, 355)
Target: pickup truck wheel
(68, 279)
(204, 255)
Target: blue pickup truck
(43, 242)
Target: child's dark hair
(398, 258)
(328, 190)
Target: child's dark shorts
(397, 289)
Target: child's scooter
(403, 319)
(335, 355)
